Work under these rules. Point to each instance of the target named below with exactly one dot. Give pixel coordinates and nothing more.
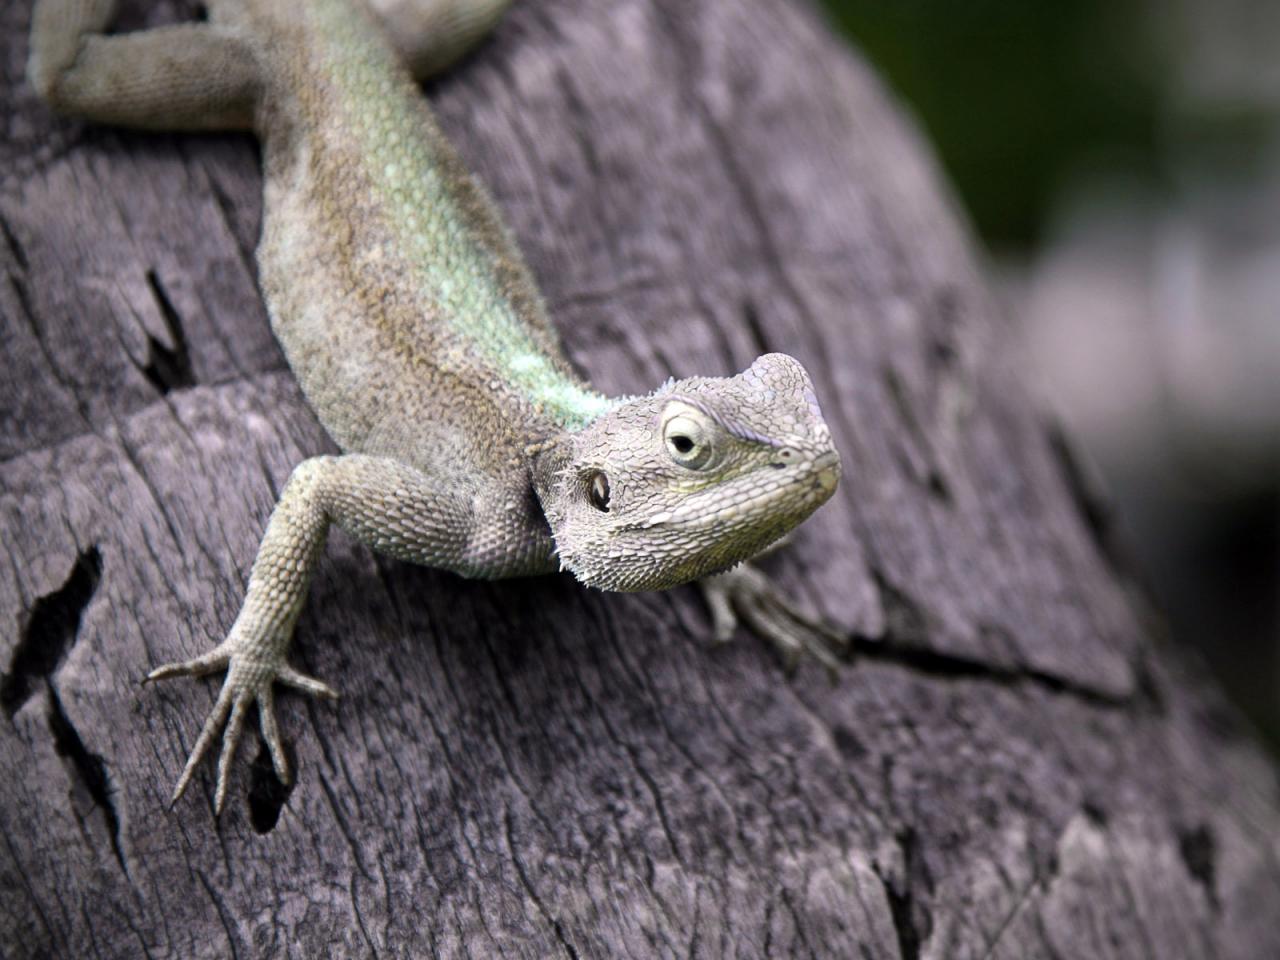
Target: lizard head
(691, 479)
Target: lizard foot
(249, 680)
(745, 594)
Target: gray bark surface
(1013, 765)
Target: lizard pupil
(682, 443)
(598, 491)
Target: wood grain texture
(1013, 766)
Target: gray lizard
(421, 341)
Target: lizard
(420, 339)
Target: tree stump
(1011, 765)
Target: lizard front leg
(381, 502)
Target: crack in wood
(89, 767)
(1091, 502)
(903, 643)
(244, 244)
(15, 248)
(168, 368)
(1199, 851)
(46, 350)
(912, 920)
(267, 795)
(751, 321)
(50, 632)
(554, 922)
(924, 467)
(934, 663)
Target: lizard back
(401, 301)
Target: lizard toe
(230, 740)
(211, 662)
(300, 681)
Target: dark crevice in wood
(89, 767)
(949, 666)
(751, 320)
(267, 795)
(940, 339)
(937, 486)
(912, 921)
(34, 324)
(942, 355)
(255, 378)
(904, 619)
(1095, 813)
(46, 640)
(556, 926)
(1029, 891)
(724, 347)
(582, 131)
(167, 368)
(906, 631)
(664, 361)
(927, 473)
(50, 632)
(1199, 852)
(226, 209)
(15, 248)
(1090, 501)
(225, 915)
(1147, 690)
(947, 368)
(267, 475)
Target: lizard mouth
(778, 496)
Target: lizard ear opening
(598, 491)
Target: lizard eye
(598, 491)
(687, 441)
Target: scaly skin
(420, 339)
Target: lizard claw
(248, 681)
(744, 594)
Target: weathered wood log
(1014, 764)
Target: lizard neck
(548, 459)
(566, 401)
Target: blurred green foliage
(1013, 93)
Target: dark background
(1121, 162)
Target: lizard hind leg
(431, 35)
(184, 77)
